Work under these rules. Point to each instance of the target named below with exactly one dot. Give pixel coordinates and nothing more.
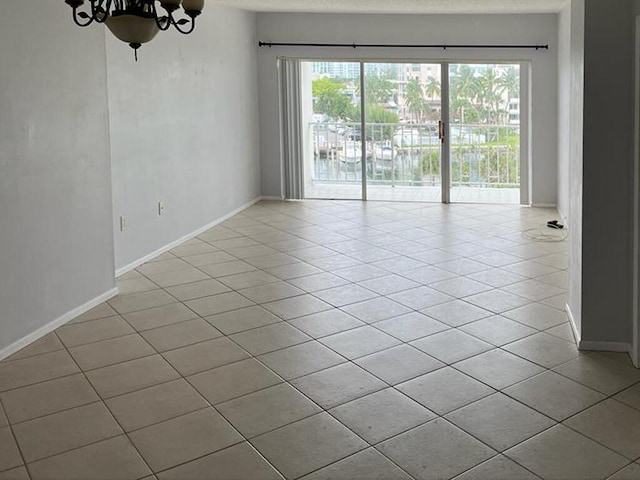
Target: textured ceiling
(399, 6)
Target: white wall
(576, 136)
(564, 109)
(56, 247)
(184, 130)
(477, 29)
(607, 202)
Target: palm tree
(414, 98)
(432, 88)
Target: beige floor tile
(389, 284)
(159, 316)
(270, 338)
(130, 376)
(421, 297)
(110, 352)
(435, 450)
(111, 459)
(180, 334)
(337, 385)
(359, 342)
(360, 273)
(203, 288)
(179, 277)
(60, 432)
(170, 264)
(40, 368)
(308, 445)
(293, 270)
(456, 313)
(631, 472)
(140, 301)
(445, 390)
(382, 415)
(498, 368)
(530, 269)
(94, 331)
(239, 462)
(498, 468)
(537, 315)
(534, 290)
(600, 373)
(559, 302)
(272, 260)
(366, 465)
(334, 262)
(208, 258)
(318, 281)
(234, 380)
(463, 266)
(411, 326)
(205, 356)
(185, 250)
(294, 307)
(326, 323)
(9, 453)
(398, 364)
(499, 421)
(242, 319)
(497, 301)
(19, 473)
(223, 302)
(252, 251)
(630, 396)
(460, 287)
(544, 349)
(47, 397)
(47, 344)
(563, 331)
(271, 292)
(451, 346)
(101, 311)
(376, 309)
(300, 360)
(562, 454)
(345, 295)
(554, 395)
(135, 285)
(249, 280)
(155, 404)
(427, 275)
(4, 422)
(234, 267)
(611, 424)
(267, 409)
(497, 277)
(183, 439)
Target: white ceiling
(399, 6)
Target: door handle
(441, 131)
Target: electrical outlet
(160, 208)
(123, 223)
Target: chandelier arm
(100, 13)
(76, 19)
(163, 26)
(187, 31)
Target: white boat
(384, 152)
(351, 152)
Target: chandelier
(137, 21)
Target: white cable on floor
(545, 234)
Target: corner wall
(56, 239)
(410, 29)
(184, 130)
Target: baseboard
(176, 243)
(271, 198)
(605, 346)
(572, 322)
(58, 322)
(544, 205)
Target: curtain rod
(383, 45)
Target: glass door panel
(330, 94)
(484, 133)
(402, 112)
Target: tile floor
(324, 340)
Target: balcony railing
(486, 156)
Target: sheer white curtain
(291, 128)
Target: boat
(351, 152)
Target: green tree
(414, 98)
(378, 90)
(432, 88)
(330, 99)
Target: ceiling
(399, 6)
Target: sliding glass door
(426, 132)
